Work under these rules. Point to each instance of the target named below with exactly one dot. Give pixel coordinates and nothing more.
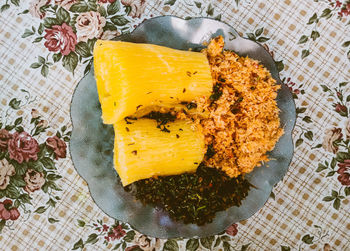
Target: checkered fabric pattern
(298, 204)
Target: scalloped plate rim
(189, 20)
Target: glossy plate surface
(91, 143)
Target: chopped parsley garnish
(192, 197)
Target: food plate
(91, 143)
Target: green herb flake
(192, 197)
(235, 108)
(164, 129)
(189, 105)
(129, 118)
(210, 151)
(162, 119)
(217, 92)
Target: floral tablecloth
(46, 48)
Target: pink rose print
(330, 136)
(7, 212)
(347, 129)
(341, 109)
(137, 7)
(34, 181)
(60, 39)
(345, 10)
(105, 228)
(344, 172)
(117, 233)
(5, 136)
(34, 113)
(58, 146)
(6, 171)
(105, 1)
(65, 3)
(22, 147)
(232, 230)
(89, 25)
(43, 123)
(133, 248)
(108, 34)
(143, 241)
(291, 86)
(34, 8)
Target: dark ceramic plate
(91, 144)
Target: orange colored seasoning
(243, 122)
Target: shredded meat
(242, 122)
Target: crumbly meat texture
(242, 124)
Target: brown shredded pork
(242, 124)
